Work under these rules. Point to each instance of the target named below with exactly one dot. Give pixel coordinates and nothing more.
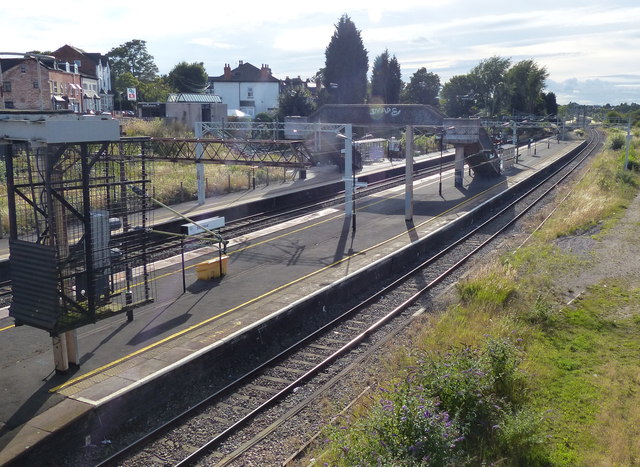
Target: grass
(511, 374)
(175, 183)
(587, 376)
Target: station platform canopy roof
(379, 114)
(194, 98)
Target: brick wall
(24, 95)
(69, 54)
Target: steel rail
(198, 454)
(363, 335)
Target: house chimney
(227, 71)
(240, 63)
(265, 72)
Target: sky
(591, 49)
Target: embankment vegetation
(514, 370)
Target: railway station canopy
(378, 114)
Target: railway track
(162, 245)
(229, 426)
(259, 221)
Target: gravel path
(613, 257)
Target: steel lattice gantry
(79, 232)
(265, 152)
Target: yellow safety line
(277, 289)
(8, 327)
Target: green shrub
(401, 429)
(454, 409)
(617, 141)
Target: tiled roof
(245, 73)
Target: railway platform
(269, 272)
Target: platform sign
(210, 224)
(357, 184)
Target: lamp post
(353, 201)
(440, 168)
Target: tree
(295, 101)
(550, 104)
(386, 79)
(132, 57)
(121, 83)
(457, 96)
(423, 88)
(489, 84)
(525, 81)
(155, 91)
(346, 64)
(186, 77)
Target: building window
(23, 68)
(9, 105)
(249, 93)
(6, 86)
(36, 85)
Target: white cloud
(210, 43)
(590, 49)
(303, 40)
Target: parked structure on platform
(78, 216)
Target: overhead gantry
(79, 234)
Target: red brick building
(92, 66)
(36, 84)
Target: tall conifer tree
(346, 65)
(386, 79)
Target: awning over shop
(91, 95)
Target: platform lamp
(440, 165)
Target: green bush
(401, 429)
(454, 409)
(617, 141)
